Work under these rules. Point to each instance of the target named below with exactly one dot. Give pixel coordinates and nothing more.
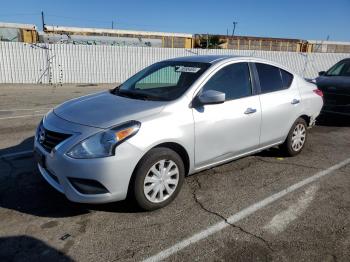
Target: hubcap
(298, 137)
(161, 181)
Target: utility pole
(112, 24)
(234, 27)
(42, 20)
(207, 40)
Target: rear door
(280, 102)
(229, 129)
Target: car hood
(333, 81)
(104, 110)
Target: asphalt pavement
(263, 207)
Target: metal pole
(42, 20)
(112, 24)
(234, 28)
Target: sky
(308, 19)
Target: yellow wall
(188, 43)
(29, 36)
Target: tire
(295, 135)
(150, 183)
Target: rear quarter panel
(311, 102)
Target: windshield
(340, 69)
(163, 81)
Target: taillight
(318, 92)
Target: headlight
(103, 144)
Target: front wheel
(158, 178)
(296, 138)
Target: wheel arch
(303, 116)
(306, 118)
(178, 148)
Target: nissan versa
(173, 118)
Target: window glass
(335, 70)
(270, 78)
(346, 70)
(287, 78)
(163, 81)
(340, 69)
(164, 77)
(233, 80)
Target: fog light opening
(88, 186)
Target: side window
(287, 78)
(346, 70)
(270, 78)
(233, 80)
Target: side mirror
(322, 73)
(211, 97)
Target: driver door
(232, 128)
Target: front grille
(49, 139)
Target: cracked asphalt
(39, 224)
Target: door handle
(295, 101)
(250, 110)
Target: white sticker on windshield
(187, 69)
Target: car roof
(212, 59)
(345, 60)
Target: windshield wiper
(115, 90)
(135, 95)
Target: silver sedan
(172, 119)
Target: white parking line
(243, 214)
(23, 116)
(21, 153)
(281, 221)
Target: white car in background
(174, 118)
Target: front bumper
(113, 172)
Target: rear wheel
(296, 139)
(158, 178)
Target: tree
(209, 41)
